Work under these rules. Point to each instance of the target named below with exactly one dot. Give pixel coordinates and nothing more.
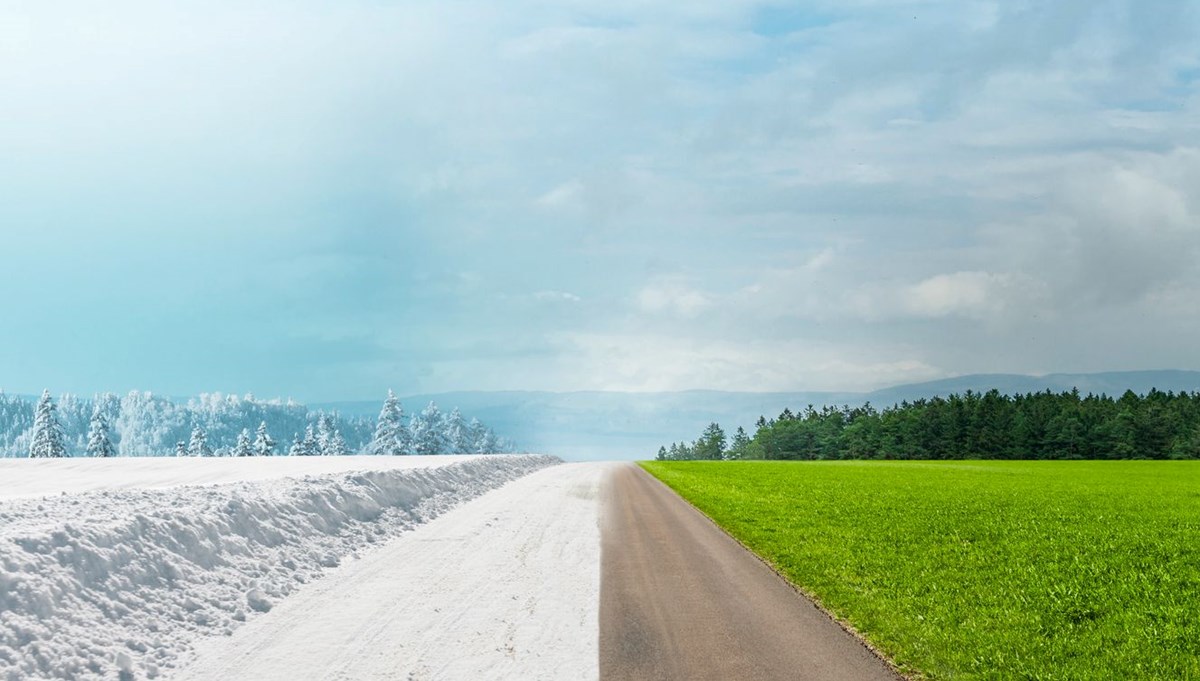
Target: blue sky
(326, 199)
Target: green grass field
(981, 569)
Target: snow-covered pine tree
(325, 430)
(99, 442)
(337, 445)
(181, 449)
(428, 432)
(475, 431)
(458, 433)
(489, 443)
(47, 441)
(198, 444)
(263, 444)
(309, 445)
(243, 448)
(297, 448)
(392, 437)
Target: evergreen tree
(181, 449)
(740, 446)
(711, 445)
(337, 445)
(47, 441)
(477, 434)
(263, 444)
(428, 434)
(324, 435)
(489, 443)
(99, 442)
(243, 446)
(297, 448)
(198, 444)
(392, 437)
(309, 445)
(457, 433)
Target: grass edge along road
(981, 569)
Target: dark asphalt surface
(681, 600)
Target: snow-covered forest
(142, 424)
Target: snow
(504, 587)
(40, 477)
(130, 562)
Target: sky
(323, 199)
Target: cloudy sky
(323, 198)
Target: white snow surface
(504, 587)
(39, 477)
(119, 582)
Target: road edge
(801, 591)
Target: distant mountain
(618, 425)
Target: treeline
(141, 424)
(988, 425)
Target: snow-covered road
(505, 587)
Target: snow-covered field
(118, 568)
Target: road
(681, 600)
(574, 572)
(503, 587)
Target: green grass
(981, 570)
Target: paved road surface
(680, 600)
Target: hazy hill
(1112, 383)
(616, 425)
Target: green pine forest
(1046, 425)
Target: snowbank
(117, 583)
(40, 477)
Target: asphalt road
(680, 599)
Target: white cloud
(979, 295)
(656, 362)
(674, 297)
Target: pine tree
(243, 447)
(47, 439)
(263, 444)
(711, 445)
(297, 448)
(391, 436)
(324, 435)
(99, 442)
(428, 434)
(337, 445)
(740, 445)
(476, 434)
(488, 443)
(181, 449)
(198, 444)
(457, 433)
(309, 445)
